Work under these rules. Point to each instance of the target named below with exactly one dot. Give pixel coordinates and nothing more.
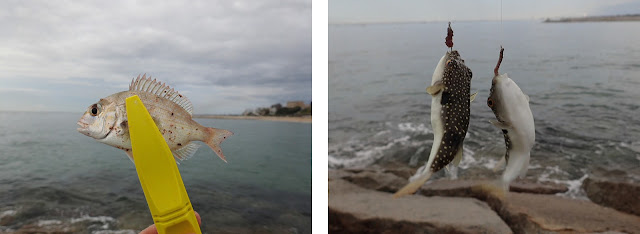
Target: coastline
(292, 119)
(595, 19)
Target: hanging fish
(511, 108)
(449, 90)
(106, 120)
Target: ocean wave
(554, 173)
(365, 157)
(412, 127)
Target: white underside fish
(511, 108)
(106, 120)
(450, 86)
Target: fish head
(455, 64)
(99, 119)
(500, 84)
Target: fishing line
(501, 28)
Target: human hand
(152, 229)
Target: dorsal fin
(145, 84)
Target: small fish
(106, 120)
(450, 86)
(511, 108)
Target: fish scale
(106, 121)
(455, 110)
(450, 86)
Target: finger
(150, 230)
(198, 218)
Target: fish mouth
(82, 128)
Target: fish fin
(145, 84)
(525, 167)
(435, 88)
(473, 97)
(500, 125)
(186, 152)
(458, 157)
(495, 188)
(413, 186)
(130, 155)
(500, 164)
(214, 138)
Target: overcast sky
(225, 56)
(363, 11)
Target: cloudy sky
(225, 56)
(363, 11)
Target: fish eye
(489, 102)
(95, 110)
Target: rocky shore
(360, 201)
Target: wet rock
(536, 213)
(530, 186)
(355, 209)
(615, 193)
(380, 181)
(7, 217)
(335, 174)
(468, 188)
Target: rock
(468, 188)
(539, 213)
(535, 213)
(380, 181)
(335, 174)
(355, 209)
(620, 195)
(528, 186)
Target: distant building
(296, 104)
(274, 109)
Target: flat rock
(467, 188)
(380, 181)
(355, 209)
(528, 186)
(335, 174)
(618, 194)
(536, 213)
(539, 213)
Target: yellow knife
(158, 173)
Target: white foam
(412, 127)
(366, 157)
(42, 223)
(7, 213)
(105, 220)
(574, 187)
(102, 219)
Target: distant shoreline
(614, 18)
(294, 119)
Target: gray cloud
(261, 49)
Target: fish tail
(414, 185)
(214, 138)
(497, 188)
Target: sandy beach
(295, 119)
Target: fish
(450, 112)
(514, 118)
(106, 120)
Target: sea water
(51, 176)
(583, 80)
